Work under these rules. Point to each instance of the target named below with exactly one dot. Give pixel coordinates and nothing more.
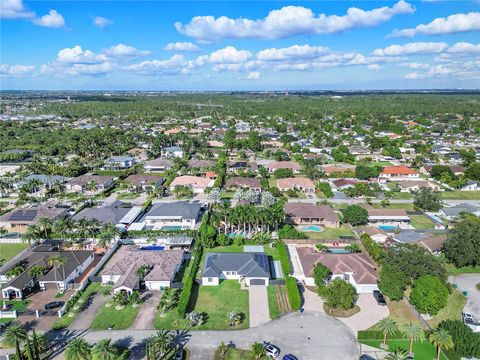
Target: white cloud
(288, 21)
(76, 69)
(174, 65)
(414, 48)
(77, 55)
(292, 52)
(14, 9)
(101, 22)
(375, 67)
(16, 70)
(464, 48)
(452, 24)
(182, 46)
(253, 75)
(122, 50)
(52, 19)
(415, 65)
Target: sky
(239, 45)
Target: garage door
(257, 282)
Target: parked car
(289, 357)
(271, 350)
(54, 304)
(379, 297)
(366, 357)
(467, 317)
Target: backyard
(421, 222)
(215, 302)
(331, 233)
(8, 251)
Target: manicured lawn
(8, 251)
(452, 270)
(117, 319)
(422, 350)
(402, 196)
(273, 302)
(408, 206)
(400, 313)
(422, 222)
(453, 311)
(19, 305)
(127, 196)
(331, 233)
(461, 195)
(216, 302)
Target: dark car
(289, 357)
(366, 357)
(54, 304)
(379, 297)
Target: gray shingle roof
(175, 209)
(245, 264)
(457, 209)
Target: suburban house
(143, 182)
(275, 165)
(456, 169)
(310, 214)
(337, 169)
(415, 185)
(241, 166)
(243, 183)
(398, 173)
(387, 218)
(77, 262)
(251, 268)
(121, 270)
(201, 164)
(302, 184)
(116, 213)
(453, 212)
(46, 180)
(119, 163)
(342, 184)
(433, 243)
(471, 186)
(18, 220)
(196, 183)
(355, 268)
(172, 152)
(158, 165)
(378, 235)
(82, 183)
(178, 215)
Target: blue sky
(239, 45)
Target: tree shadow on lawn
(193, 297)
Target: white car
(469, 320)
(271, 350)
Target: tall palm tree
(45, 225)
(104, 350)
(36, 271)
(32, 234)
(398, 354)
(13, 336)
(223, 349)
(62, 261)
(442, 339)
(388, 327)
(414, 332)
(53, 262)
(77, 349)
(39, 343)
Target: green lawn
(216, 302)
(422, 222)
(452, 270)
(400, 313)
(19, 305)
(273, 302)
(8, 251)
(461, 195)
(117, 319)
(127, 196)
(422, 350)
(402, 196)
(331, 233)
(453, 311)
(407, 207)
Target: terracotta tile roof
(284, 165)
(306, 210)
(243, 182)
(195, 181)
(295, 182)
(398, 170)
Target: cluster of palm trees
(158, 346)
(79, 349)
(69, 230)
(414, 332)
(28, 346)
(249, 218)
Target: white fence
(11, 241)
(12, 314)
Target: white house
(178, 215)
(471, 186)
(172, 152)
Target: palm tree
(45, 225)
(388, 327)
(31, 235)
(258, 351)
(223, 349)
(163, 341)
(36, 271)
(62, 261)
(142, 271)
(442, 339)
(398, 354)
(13, 335)
(53, 262)
(77, 349)
(91, 185)
(40, 343)
(104, 350)
(414, 332)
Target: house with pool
(178, 215)
(310, 217)
(388, 219)
(122, 270)
(354, 268)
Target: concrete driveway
(370, 313)
(312, 301)
(88, 312)
(467, 282)
(146, 315)
(258, 305)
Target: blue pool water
(153, 247)
(338, 251)
(387, 227)
(313, 228)
(234, 235)
(171, 228)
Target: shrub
(355, 215)
(293, 293)
(325, 189)
(289, 232)
(320, 273)
(373, 249)
(284, 257)
(429, 294)
(339, 294)
(467, 343)
(188, 280)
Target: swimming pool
(153, 247)
(338, 251)
(387, 227)
(312, 228)
(234, 235)
(171, 228)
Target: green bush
(188, 280)
(429, 294)
(289, 232)
(467, 343)
(373, 249)
(293, 293)
(325, 189)
(284, 257)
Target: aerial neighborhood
(366, 227)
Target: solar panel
(27, 215)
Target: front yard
(215, 302)
(109, 317)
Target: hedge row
(284, 257)
(377, 334)
(188, 280)
(293, 293)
